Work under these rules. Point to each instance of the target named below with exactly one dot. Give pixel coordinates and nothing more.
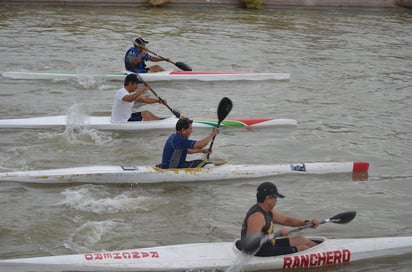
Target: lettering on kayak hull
(317, 259)
(121, 255)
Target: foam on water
(88, 234)
(97, 199)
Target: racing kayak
(158, 76)
(153, 174)
(217, 256)
(105, 123)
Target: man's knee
(155, 68)
(148, 116)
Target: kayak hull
(159, 76)
(151, 174)
(105, 123)
(219, 256)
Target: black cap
(139, 41)
(268, 188)
(131, 78)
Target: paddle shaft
(341, 218)
(277, 234)
(305, 227)
(213, 140)
(181, 65)
(177, 114)
(157, 55)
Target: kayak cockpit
(318, 239)
(207, 165)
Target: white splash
(77, 132)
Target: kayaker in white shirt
(125, 99)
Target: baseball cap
(268, 188)
(139, 41)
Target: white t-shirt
(122, 110)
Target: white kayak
(105, 123)
(153, 174)
(159, 76)
(216, 256)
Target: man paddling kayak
(262, 216)
(125, 99)
(136, 57)
(178, 145)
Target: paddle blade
(224, 108)
(343, 218)
(251, 243)
(183, 66)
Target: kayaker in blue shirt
(178, 145)
(262, 216)
(136, 57)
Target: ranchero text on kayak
(317, 259)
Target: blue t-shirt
(129, 58)
(175, 151)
